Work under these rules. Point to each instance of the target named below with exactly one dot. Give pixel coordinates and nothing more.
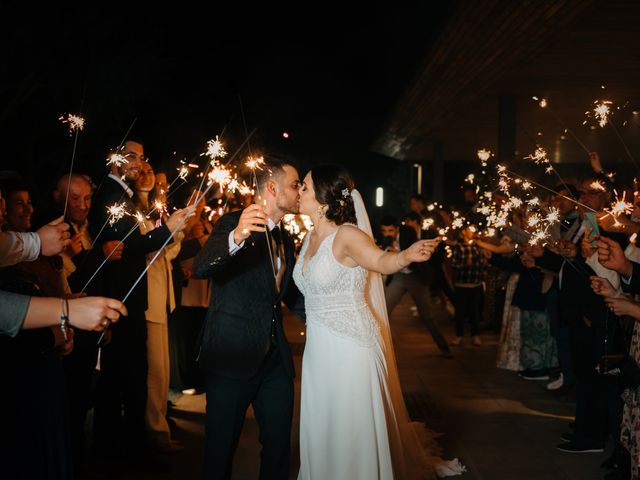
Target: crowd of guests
(566, 307)
(67, 274)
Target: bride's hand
(420, 251)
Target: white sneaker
(556, 384)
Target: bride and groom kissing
(353, 421)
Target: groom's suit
(243, 351)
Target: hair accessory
(346, 193)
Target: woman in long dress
(353, 422)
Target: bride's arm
(354, 247)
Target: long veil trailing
(413, 447)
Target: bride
(353, 421)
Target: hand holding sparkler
(252, 219)
(177, 221)
(54, 237)
(113, 250)
(602, 286)
(588, 244)
(596, 164)
(420, 251)
(611, 256)
(95, 313)
(623, 306)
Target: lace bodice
(335, 295)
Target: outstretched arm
(354, 247)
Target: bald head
(79, 196)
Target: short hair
(272, 169)
(70, 177)
(412, 216)
(569, 187)
(389, 221)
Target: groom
(244, 353)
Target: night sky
(326, 75)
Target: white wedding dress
(353, 422)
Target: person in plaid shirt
(469, 265)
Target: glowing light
(427, 223)
(254, 162)
(215, 149)
(533, 220)
(457, 223)
(543, 103)
(620, 206)
(116, 212)
(553, 216)
(116, 159)
(526, 185)
(379, 197)
(220, 175)
(602, 111)
(539, 156)
(74, 122)
(597, 186)
(183, 171)
(484, 155)
(285, 135)
(533, 202)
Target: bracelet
(64, 318)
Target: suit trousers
(270, 391)
(158, 382)
(122, 384)
(402, 283)
(468, 301)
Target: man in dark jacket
(415, 279)
(244, 353)
(123, 362)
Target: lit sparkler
(254, 163)
(75, 122)
(215, 149)
(116, 212)
(116, 159)
(484, 154)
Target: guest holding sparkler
(123, 375)
(469, 264)
(161, 302)
(413, 279)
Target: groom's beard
(289, 209)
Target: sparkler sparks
(553, 216)
(220, 175)
(427, 223)
(116, 212)
(116, 159)
(75, 122)
(526, 185)
(254, 162)
(533, 202)
(457, 223)
(597, 186)
(183, 171)
(539, 156)
(537, 237)
(620, 206)
(215, 149)
(602, 111)
(484, 154)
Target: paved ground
(501, 427)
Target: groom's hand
(253, 219)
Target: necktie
(277, 250)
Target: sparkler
(254, 163)
(74, 122)
(116, 212)
(116, 159)
(601, 112)
(215, 149)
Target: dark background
(326, 75)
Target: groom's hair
(272, 169)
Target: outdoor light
(419, 179)
(379, 196)
(285, 135)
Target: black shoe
(446, 354)
(567, 437)
(534, 375)
(571, 447)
